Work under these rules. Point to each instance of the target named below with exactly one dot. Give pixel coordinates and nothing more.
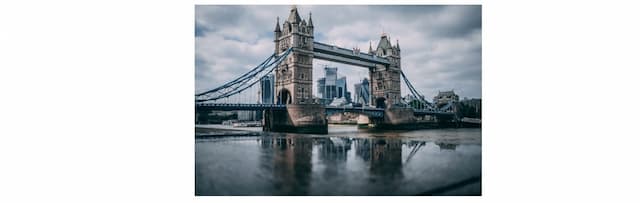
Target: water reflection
(329, 165)
(332, 153)
(415, 147)
(290, 160)
(447, 146)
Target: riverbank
(212, 130)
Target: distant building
(362, 93)
(330, 86)
(327, 84)
(247, 115)
(445, 97)
(471, 108)
(267, 89)
(322, 88)
(474, 102)
(341, 87)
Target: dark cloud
(200, 29)
(220, 17)
(455, 22)
(441, 45)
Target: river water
(346, 161)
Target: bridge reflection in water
(291, 164)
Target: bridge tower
(294, 76)
(294, 80)
(385, 80)
(385, 85)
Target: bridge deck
(370, 111)
(342, 55)
(238, 107)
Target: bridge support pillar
(363, 121)
(297, 118)
(399, 116)
(395, 118)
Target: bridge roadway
(369, 111)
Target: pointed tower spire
(294, 18)
(398, 43)
(370, 49)
(277, 24)
(310, 21)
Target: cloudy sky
(441, 45)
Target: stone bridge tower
(293, 84)
(294, 79)
(385, 80)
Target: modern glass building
(330, 86)
(267, 89)
(362, 92)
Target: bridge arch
(284, 96)
(380, 102)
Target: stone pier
(363, 121)
(297, 118)
(395, 118)
(399, 116)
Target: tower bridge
(292, 62)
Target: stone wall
(398, 116)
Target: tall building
(341, 89)
(445, 97)
(327, 84)
(330, 86)
(321, 87)
(362, 93)
(267, 89)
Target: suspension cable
(246, 81)
(414, 92)
(243, 76)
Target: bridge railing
(240, 105)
